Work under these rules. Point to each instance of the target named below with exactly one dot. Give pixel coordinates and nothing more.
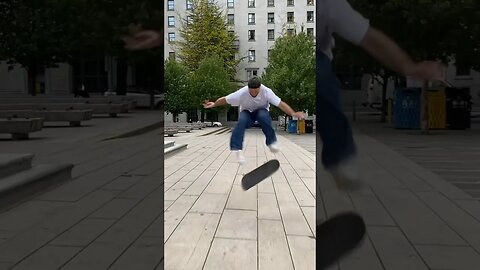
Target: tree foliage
(206, 34)
(291, 71)
(178, 98)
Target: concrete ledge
(14, 163)
(20, 128)
(171, 150)
(111, 109)
(20, 186)
(75, 117)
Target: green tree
(427, 30)
(39, 34)
(209, 82)
(291, 71)
(178, 98)
(206, 33)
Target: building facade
(257, 24)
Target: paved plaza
(110, 215)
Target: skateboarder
(254, 102)
(333, 127)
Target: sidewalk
(415, 219)
(211, 223)
(108, 216)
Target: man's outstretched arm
(352, 26)
(386, 51)
(288, 110)
(219, 102)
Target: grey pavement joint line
(221, 215)
(226, 149)
(428, 206)
(397, 225)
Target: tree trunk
(424, 108)
(175, 115)
(385, 78)
(32, 77)
(31, 81)
(122, 68)
(203, 115)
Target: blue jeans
(333, 126)
(245, 120)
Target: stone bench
(170, 131)
(128, 101)
(74, 117)
(111, 109)
(181, 127)
(20, 128)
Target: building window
(230, 4)
(463, 70)
(189, 5)
(290, 17)
(171, 21)
(171, 55)
(231, 19)
(269, 53)
(251, 18)
(309, 16)
(271, 17)
(189, 20)
(251, 56)
(290, 32)
(290, 3)
(271, 34)
(171, 5)
(310, 32)
(251, 35)
(171, 37)
(252, 73)
(310, 2)
(251, 3)
(271, 3)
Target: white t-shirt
(245, 101)
(337, 16)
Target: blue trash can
(406, 114)
(292, 126)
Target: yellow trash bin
(301, 127)
(437, 118)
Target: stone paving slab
(262, 228)
(111, 215)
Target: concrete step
(14, 163)
(167, 144)
(19, 186)
(173, 149)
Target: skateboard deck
(254, 177)
(337, 237)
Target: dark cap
(254, 82)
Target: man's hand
(385, 50)
(208, 104)
(427, 71)
(141, 39)
(299, 115)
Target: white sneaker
(274, 147)
(240, 156)
(346, 175)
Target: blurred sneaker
(274, 147)
(346, 175)
(240, 156)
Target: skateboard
(254, 177)
(337, 237)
